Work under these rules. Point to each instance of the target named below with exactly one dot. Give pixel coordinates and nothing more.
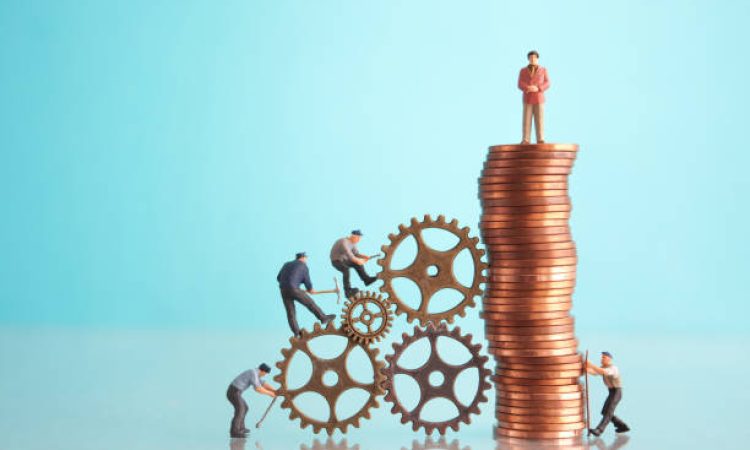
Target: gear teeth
(441, 219)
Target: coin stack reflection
(525, 210)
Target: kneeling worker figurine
(611, 375)
(250, 378)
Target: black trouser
(608, 411)
(344, 266)
(289, 296)
(234, 395)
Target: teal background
(162, 159)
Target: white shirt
(611, 377)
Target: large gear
(429, 391)
(367, 317)
(331, 394)
(427, 259)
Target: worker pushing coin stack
(532, 270)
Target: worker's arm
(594, 369)
(269, 387)
(264, 391)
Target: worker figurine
(611, 375)
(250, 378)
(290, 277)
(533, 81)
(345, 256)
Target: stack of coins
(527, 301)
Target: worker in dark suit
(291, 276)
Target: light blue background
(162, 159)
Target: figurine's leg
(307, 301)
(608, 411)
(344, 269)
(539, 122)
(238, 403)
(291, 313)
(527, 109)
(360, 269)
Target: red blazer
(540, 80)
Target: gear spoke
(373, 306)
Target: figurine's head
(606, 359)
(533, 57)
(356, 236)
(301, 256)
(264, 369)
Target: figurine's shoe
(328, 318)
(350, 292)
(595, 432)
(541, 141)
(371, 280)
(525, 142)
(623, 429)
(238, 435)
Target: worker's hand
(533, 89)
(359, 261)
(366, 258)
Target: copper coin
(542, 307)
(533, 147)
(538, 396)
(560, 359)
(538, 411)
(522, 200)
(534, 345)
(526, 209)
(531, 155)
(525, 300)
(538, 247)
(496, 319)
(516, 418)
(541, 239)
(537, 374)
(538, 262)
(511, 171)
(542, 426)
(494, 291)
(522, 178)
(490, 328)
(575, 403)
(530, 353)
(502, 187)
(527, 162)
(510, 217)
(503, 365)
(531, 285)
(510, 317)
(519, 231)
(530, 337)
(522, 194)
(549, 255)
(561, 437)
(541, 270)
(524, 278)
(503, 381)
(522, 223)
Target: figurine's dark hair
(264, 367)
(533, 52)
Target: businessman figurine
(533, 81)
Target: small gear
(441, 262)
(331, 394)
(367, 317)
(429, 391)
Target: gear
(428, 391)
(367, 317)
(427, 259)
(331, 394)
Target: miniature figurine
(345, 256)
(290, 277)
(611, 376)
(533, 81)
(248, 378)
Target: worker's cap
(300, 255)
(607, 354)
(264, 367)
(357, 232)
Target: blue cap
(357, 232)
(300, 255)
(607, 354)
